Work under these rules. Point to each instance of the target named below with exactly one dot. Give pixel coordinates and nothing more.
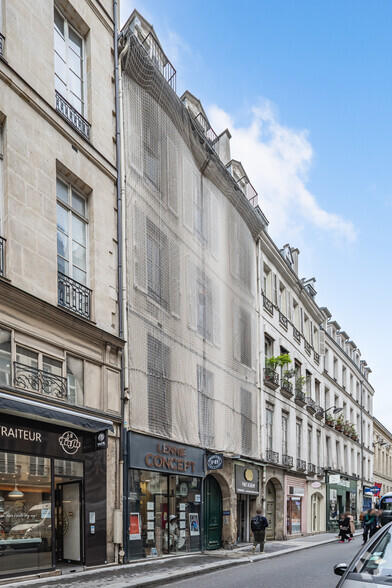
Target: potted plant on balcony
(347, 428)
(339, 423)
(329, 420)
(353, 433)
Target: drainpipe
(361, 413)
(122, 292)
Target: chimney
(222, 147)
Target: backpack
(257, 523)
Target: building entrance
(213, 513)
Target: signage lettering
(170, 449)
(170, 463)
(20, 434)
(69, 442)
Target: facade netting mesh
(190, 276)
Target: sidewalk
(157, 572)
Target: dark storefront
(247, 490)
(341, 497)
(165, 496)
(52, 489)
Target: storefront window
(293, 515)
(164, 514)
(25, 514)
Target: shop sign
(150, 453)
(316, 484)
(134, 526)
(246, 480)
(215, 461)
(334, 479)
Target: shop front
(165, 496)
(52, 493)
(247, 490)
(296, 504)
(341, 497)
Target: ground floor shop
(341, 496)
(165, 497)
(52, 490)
(295, 505)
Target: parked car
(372, 565)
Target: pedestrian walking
(352, 526)
(258, 526)
(344, 527)
(369, 524)
(377, 524)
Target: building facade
(59, 347)
(382, 458)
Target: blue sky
(305, 88)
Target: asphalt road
(308, 567)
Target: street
(308, 567)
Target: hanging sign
(215, 461)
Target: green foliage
(278, 361)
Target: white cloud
(277, 160)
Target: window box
(271, 378)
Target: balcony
(308, 347)
(310, 404)
(319, 412)
(311, 468)
(40, 381)
(272, 456)
(159, 59)
(283, 321)
(71, 115)
(301, 465)
(286, 388)
(206, 128)
(300, 398)
(320, 471)
(74, 296)
(287, 460)
(267, 304)
(2, 256)
(271, 378)
(316, 358)
(2, 43)
(296, 335)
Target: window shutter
(215, 314)
(236, 332)
(254, 339)
(191, 295)
(215, 226)
(139, 246)
(134, 153)
(274, 289)
(173, 175)
(187, 189)
(321, 342)
(174, 279)
(234, 250)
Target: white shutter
(254, 339)
(191, 294)
(215, 314)
(321, 342)
(187, 189)
(236, 332)
(234, 250)
(215, 226)
(207, 215)
(135, 151)
(274, 289)
(173, 175)
(174, 278)
(139, 247)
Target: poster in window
(134, 526)
(194, 523)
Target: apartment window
(310, 435)
(5, 357)
(335, 368)
(327, 398)
(299, 438)
(285, 428)
(205, 388)
(344, 374)
(269, 418)
(204, 307)
(29, 360)
(159, 393)
(246, 422)
(69, 63)
(37, 466)
(245, 332)
(326, 361)
(152, 144)
(268, 347)
(71, 232)
(157, 265)
(75, 380)
(328, 451)
(338, 455)
(308, 380)
(317, 391)
(318, 447)
(7, 463)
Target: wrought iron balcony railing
(267, 304)
(159, 59)
(271, 378)
(272, 456)
(287, 460)
(2, 43)
(40, 381)
(310, 404)
(283, 321)
(301, 465)
(308, 347)
(2, 256)
(74, 296)
(319, 412)
(311, 468)
(286, 387)
(317, 358)
(296, 335)
(300, 397)
(70, 114)
(206, 128)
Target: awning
(39, 411)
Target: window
(269, 418)
(318, 447)
(337, 455)
(310, 435)
(152, 144)
(37, 466)
(299, 438)
(38, 372)
(308, 380)
(245, 332)
(158, 383)
(268, 347)
(75, 380)
(246, 422)
(7, 463)
(71, 233)
(204, 307)
(285, 427)
(335, 369)
(69, 63)
(157, 265)
(317, 391)
(27, 376)
(5, 357)
(328, 451)
(344, 374)
(205, 388)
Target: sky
(304, 87)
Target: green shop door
(212, 513)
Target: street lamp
(380, 442)
(336, 409)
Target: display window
(293, 515)
(164, 514)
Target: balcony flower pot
(329, 420)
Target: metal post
(361, 413)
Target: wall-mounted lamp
(380, 442)
(336, 409)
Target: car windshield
(377, 561)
